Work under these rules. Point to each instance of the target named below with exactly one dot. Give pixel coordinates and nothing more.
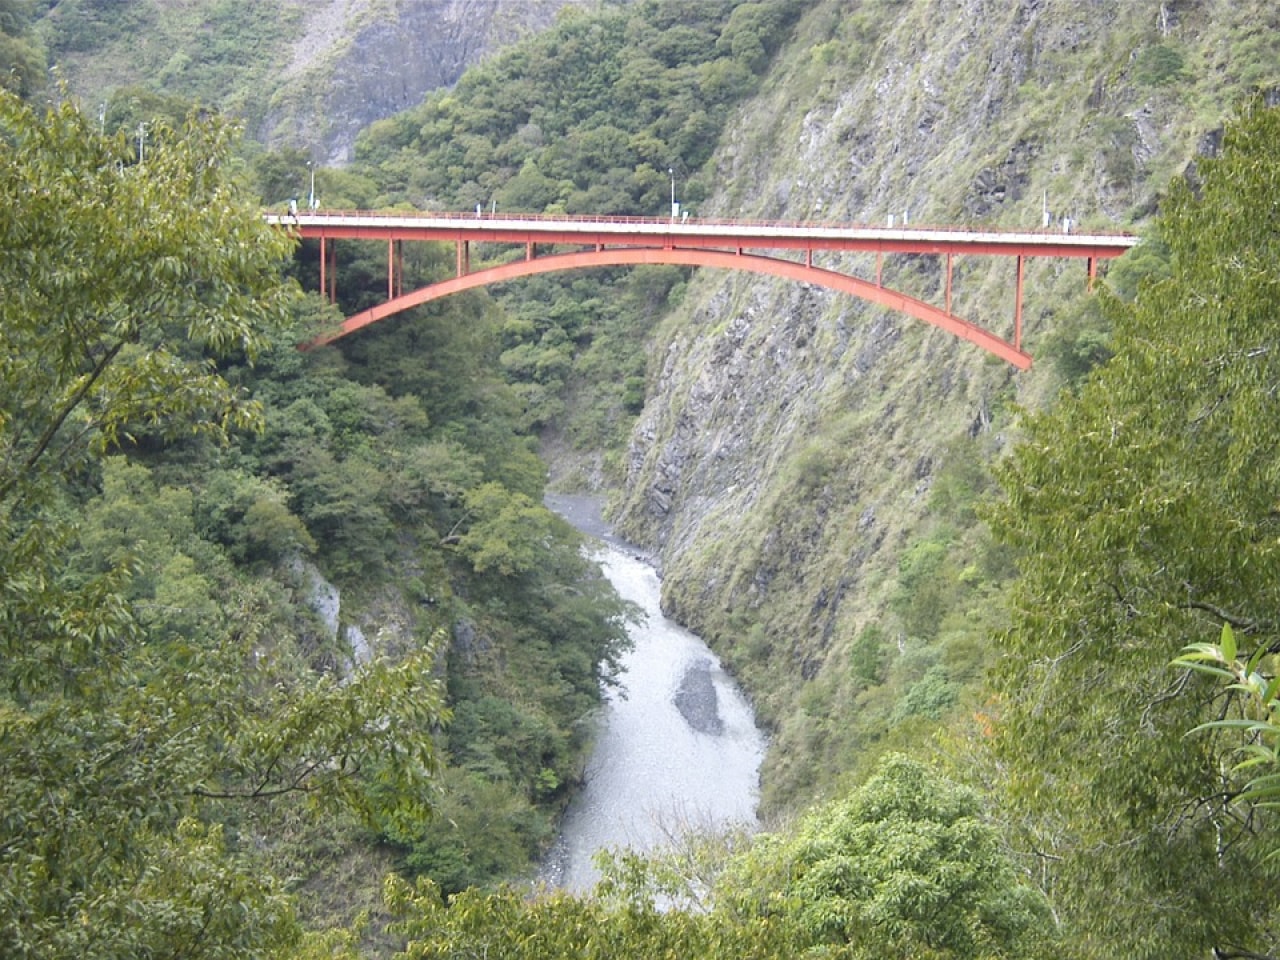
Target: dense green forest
(196, 759)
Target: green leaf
(1228, 643)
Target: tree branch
(1237, 622)
(299, 783)
(42, 445)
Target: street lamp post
(311, 198)
(672, 173)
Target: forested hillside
(954, 592)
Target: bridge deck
(701, 234)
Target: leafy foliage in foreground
(142, 680)
(1251, 683)
(905, 867)
(1143, 509)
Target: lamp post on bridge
(675, 208)
(311, 197)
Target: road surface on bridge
(707, 234)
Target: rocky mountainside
(356, 61)
(806, 463)
(300, 73)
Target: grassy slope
(220, 53)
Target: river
(677, 748)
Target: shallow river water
(677, 748)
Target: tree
(905, 866)
(1144, 510)
(119, 275)
(509, 924)
(145, 689)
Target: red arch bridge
(779, 249)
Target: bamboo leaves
(1253, 693)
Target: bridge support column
(391, 269)
(948, 307)
(1093, 272)
(879, 269)
(333, 272)
(464, 257)
(1017, 309)
(530, 250)
(328, 269)
(399, 268)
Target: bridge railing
(587, 219)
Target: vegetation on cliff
(298, 74)
(847, 581)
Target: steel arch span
(635, 256)
(749, 246)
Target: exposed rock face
(384, 627)
(357, 61)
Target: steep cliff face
(356, 61)
(784, 462)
